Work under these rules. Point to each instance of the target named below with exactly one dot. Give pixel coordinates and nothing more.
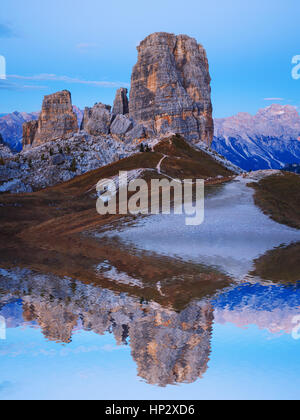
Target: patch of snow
(112, 273)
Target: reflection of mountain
(270, 307)
(169, 347)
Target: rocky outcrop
(57, 119)
(4, 151)
(137, 133)
(59, 161)
(29, 133)
(97, 120)
(121, 105)
(170, 87)
(11, 126)
(121, 125)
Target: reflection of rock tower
(172, 347)
(55, 320)
(169, 347)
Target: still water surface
(210, 313)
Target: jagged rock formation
(11, 126)
(97, 120)
(29, 132)
(170, 87)
(56, 121)
(268, 140)
(121, 105)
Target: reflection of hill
(168, 346)
(280, 264)
(111, 264)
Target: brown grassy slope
(278, 196)
(184, 161)
(71, 206)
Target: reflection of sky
(245, 363)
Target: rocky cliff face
(57, 119)
(268, 140)
(121, 105)
(170, 87)
(96, 120)
(29, 132)
(11, 126)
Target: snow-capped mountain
(268, 140)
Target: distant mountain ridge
(268, 140)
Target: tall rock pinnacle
(170, 87)
(56, 120)
(121, 102)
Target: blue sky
(90, 48)
(243, 364)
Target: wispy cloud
(67, 79)
(273, 99)
(6, 85)
(5, 31)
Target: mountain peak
(267, 140)
(278, 110)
